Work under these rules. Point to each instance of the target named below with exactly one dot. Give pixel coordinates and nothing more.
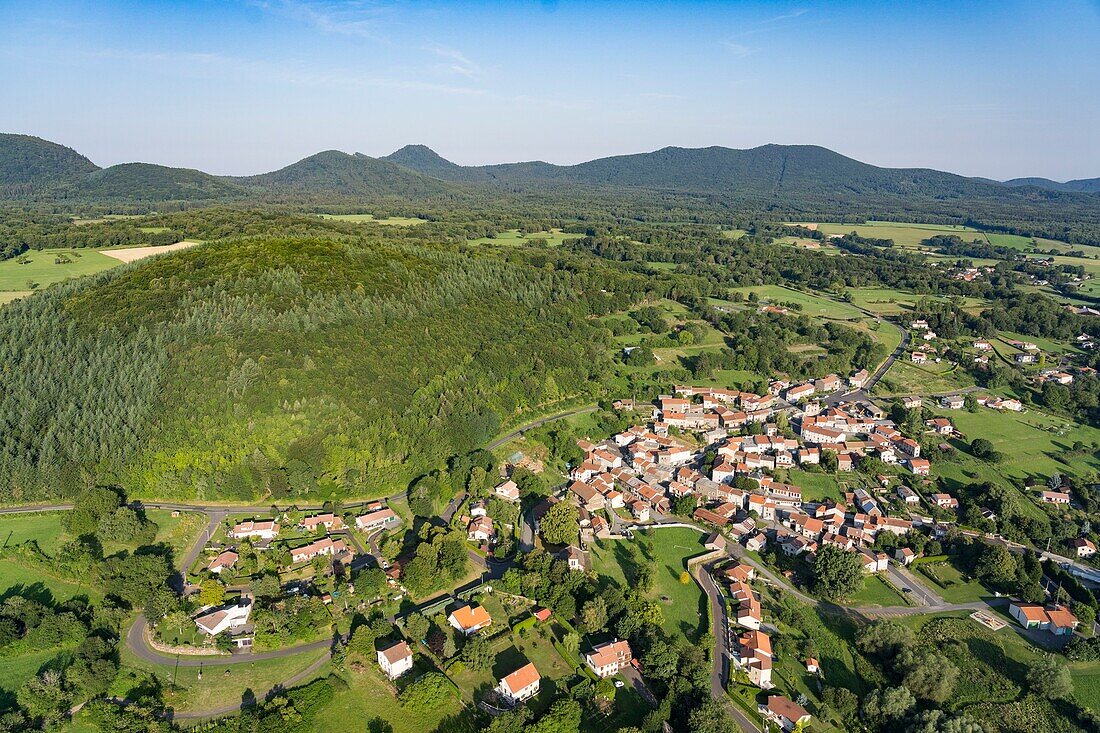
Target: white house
(377, 520)
(396, 659)
(507, 490)
(607, 659)
(784, 712)
(267, 530)
(523, 684)
(222, 562)
(1056, 619)
(470, 619)
(225, 618)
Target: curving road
(539, 423)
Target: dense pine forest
(285, 367)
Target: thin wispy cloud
(287, 72)
(786, 16)
(739, 50)
(358, 19)
(456, 61)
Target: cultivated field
(132, 254)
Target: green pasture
(666, 551)
(42, 269)
(948, 582)
(370, 704)
(903, 234)
(221, 684)
(905, 377)
(812, 305)
(514, 238)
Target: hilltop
(32, 161)
(284, 367)
(1083, 185)
(148, 182)
(336, 173)
(782, 171)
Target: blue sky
(999, 89)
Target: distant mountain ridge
(1081, 185)
(768, 170)
(338, 173)
(798, 175)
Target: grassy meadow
(667, 552)
(42, 269)
(812, 305)
(513, 238)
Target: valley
(483, 465)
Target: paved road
(139, 645)
(919, 592)
(539, 423)
(720, 673)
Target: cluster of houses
(605, 660)
(860, 428)
(643, 471)
(480, 528)
(751, 651)
(261, 532)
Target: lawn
(34, 579)
(43, 527)
(1015, 241)
(876, 593)
(221, 684)
(16, 670)
(887, 301)
(369, 705)
(10, 295)
(905, 377)
(1032, 443)
(42, 269)
(46, 529)
(1086, 683)
(816, 486)
(904, 234)
(949, 582)
(666, 551)
(812, 305)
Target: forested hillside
(147, 182)
(284, 367)
(29, 163)
(338, 174)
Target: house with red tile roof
(379, 519)
(328, 521)
(1083, 547)
(469, 619)
(607, 659)
(1056, 619)
(507, 490)
(396, 659)
(784, 712)
(521, 685)
(754, 655)
(265, 530)
(222, 562)
(323, 546)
